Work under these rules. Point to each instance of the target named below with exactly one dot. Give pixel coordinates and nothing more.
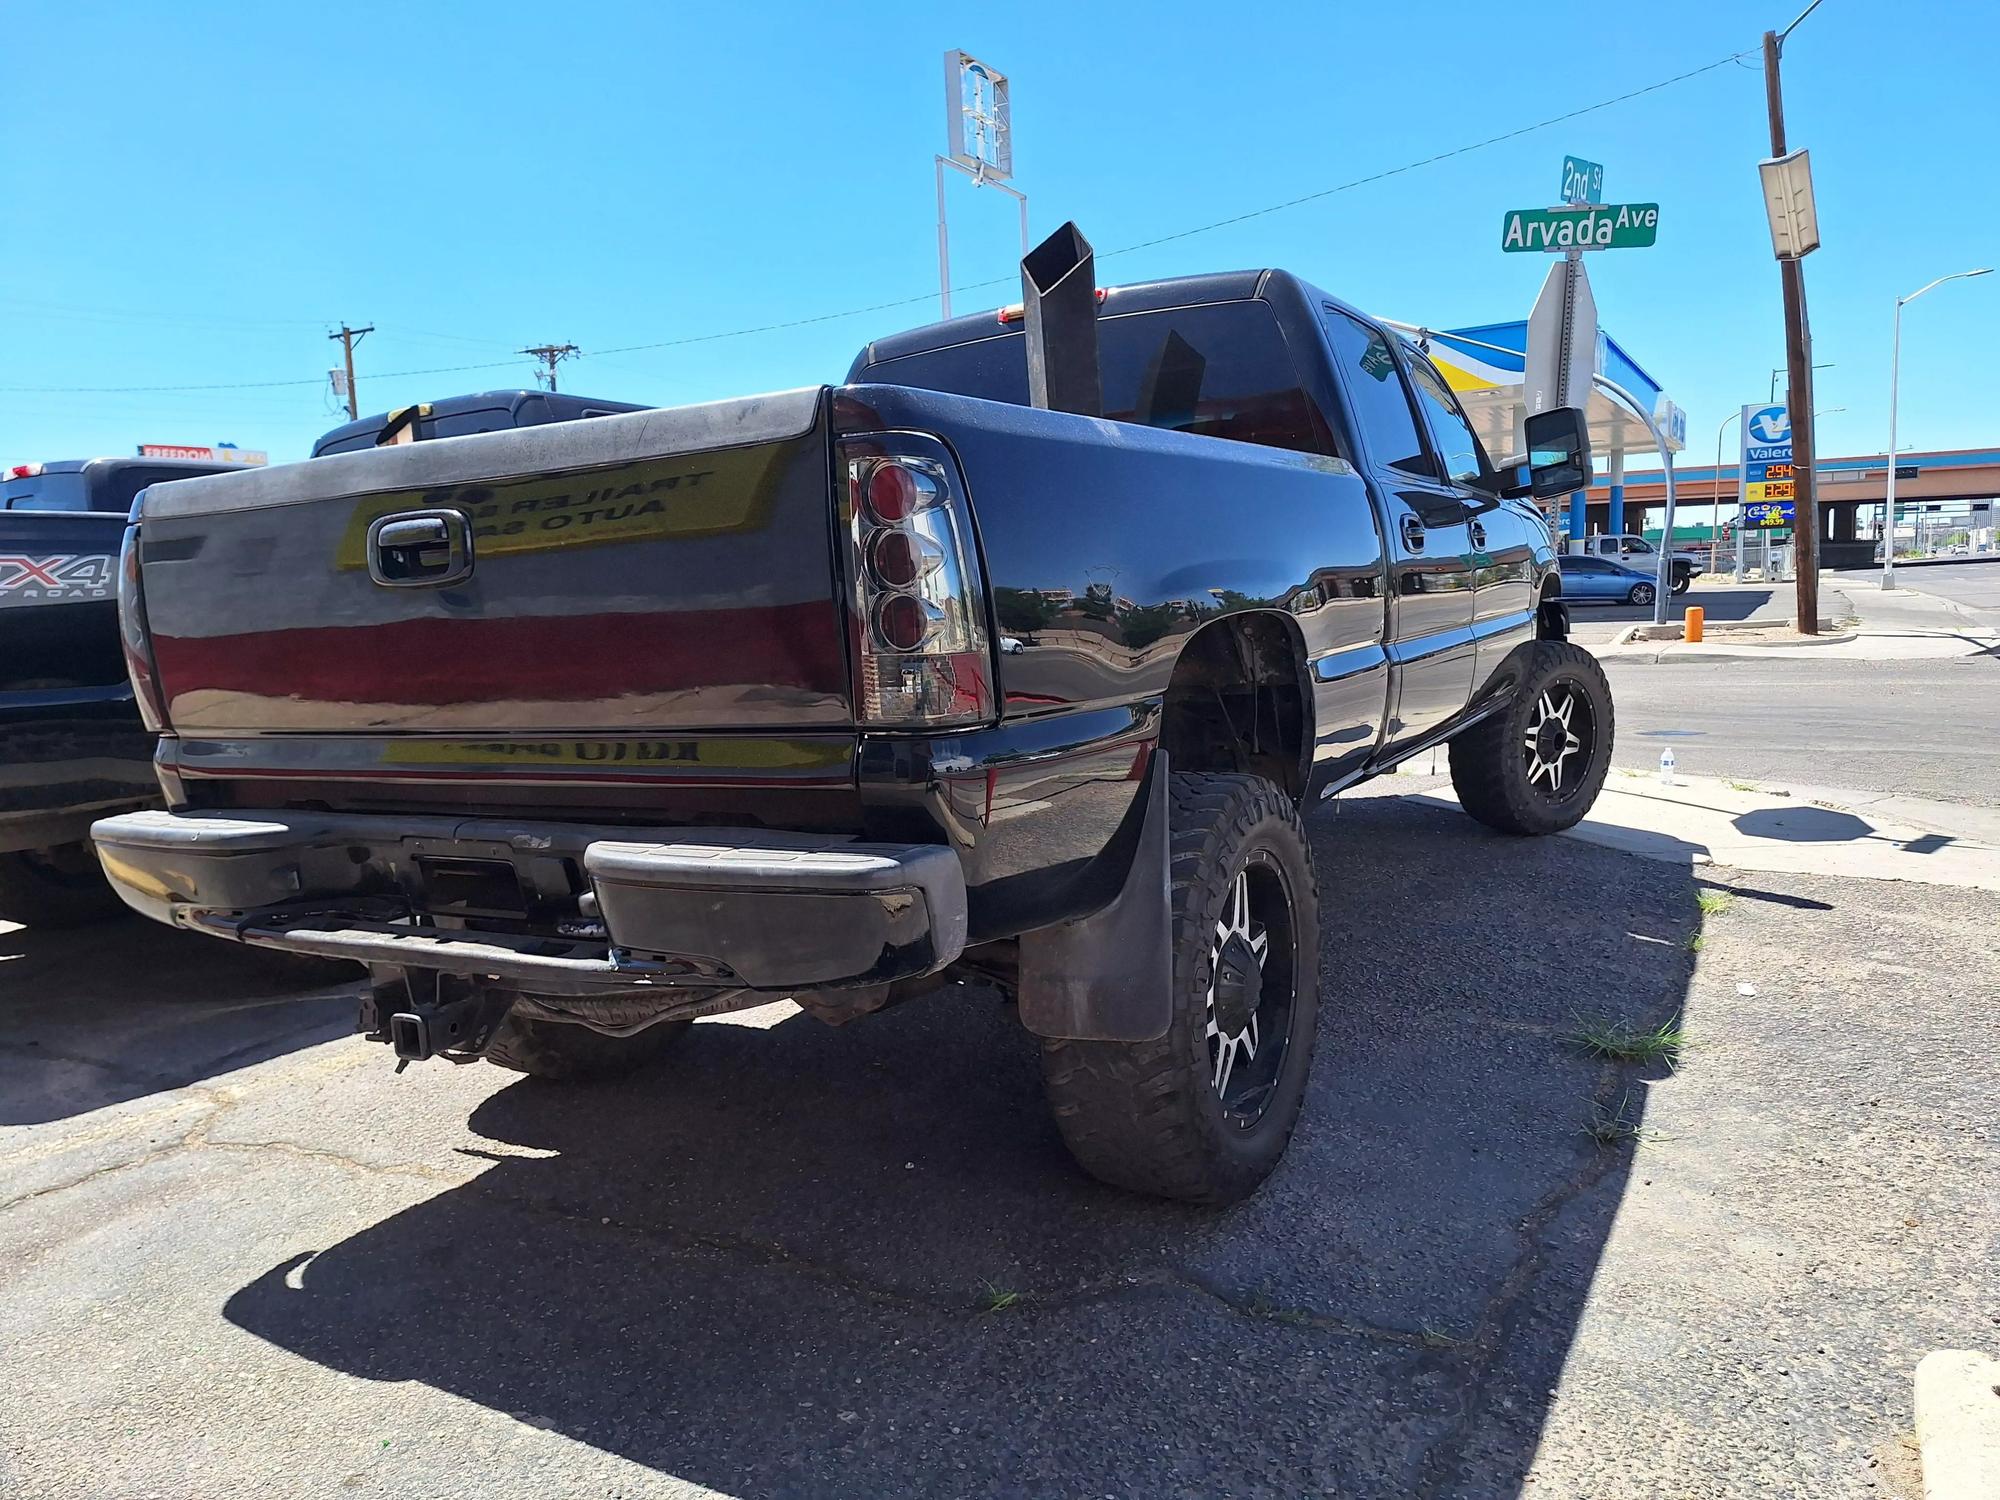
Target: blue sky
(194, 195)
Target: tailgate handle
(420, 548)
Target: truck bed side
(1107, 545)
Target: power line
(874, 307)
(232, 385)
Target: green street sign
(1617, 226)
(1583, 181)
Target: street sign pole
(979, 132)
(1561, 355)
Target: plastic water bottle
(1667, 766)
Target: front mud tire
(564, 1052)
(1501, 766)
(1151, 1116)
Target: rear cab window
(1221, 369)
(46, 492)
(104, 486)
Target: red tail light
(922, 654)
(136, 637)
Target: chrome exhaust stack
(1059, 300)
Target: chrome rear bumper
(550, 907)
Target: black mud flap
(1109, 977)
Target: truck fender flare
(1108, 977)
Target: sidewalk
(1807, 831)
(1867, 625)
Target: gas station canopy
(1487, 365)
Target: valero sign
(1769, 480)
(1616, 226)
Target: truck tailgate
(671, 570)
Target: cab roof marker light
(1016, 312)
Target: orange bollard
(1691, 631)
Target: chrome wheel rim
(1251, 985)
(1558, 741)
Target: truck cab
(461, 416)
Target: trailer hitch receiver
(418, 1014)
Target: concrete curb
(1958, 1424)
(1850, 645)
(1674, 630)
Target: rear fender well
(1238, 700)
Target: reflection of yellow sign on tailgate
(706, 494)
(709, 754)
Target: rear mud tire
(1493, 768)
(564, 1052)
(1150, 1116)
(53, 888)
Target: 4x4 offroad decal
(56, 578)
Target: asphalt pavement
(1801, 715)
(1594, 624)
(242, 1257)
(1975, 585)
(1918, 728)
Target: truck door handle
(420, 548)
(1413, 533)
(1478, 536)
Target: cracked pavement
(238, 1256)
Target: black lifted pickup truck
(1013, 658)
(72, 748)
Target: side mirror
(1558, 452)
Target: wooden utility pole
(552, 355)
(349, 337)
(1798, 361)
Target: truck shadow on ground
(794, 1261)
(96, 1015)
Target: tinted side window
(1453, 439)
(1220, 369)
(1585, 565)
(1381, 405)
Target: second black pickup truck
(1016, 657)
(72, 748)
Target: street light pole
(1895, 377)
(1715, 510)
